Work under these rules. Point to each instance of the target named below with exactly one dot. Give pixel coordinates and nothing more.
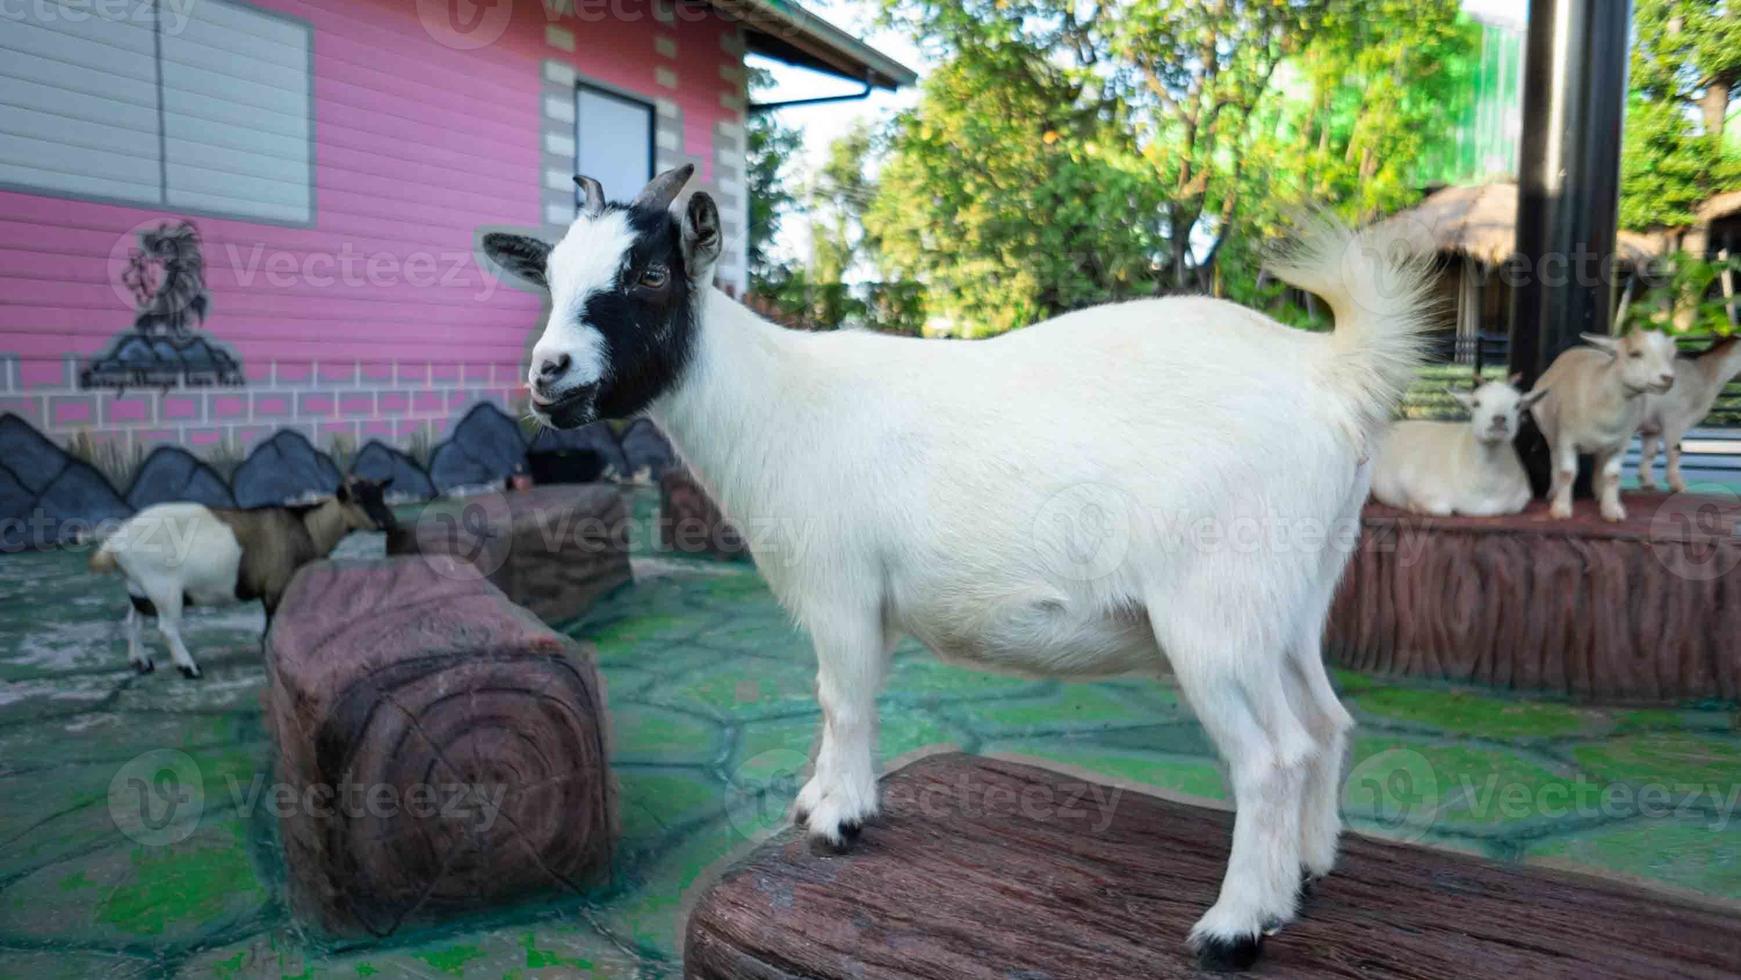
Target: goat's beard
(571, 413)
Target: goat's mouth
(570, 410)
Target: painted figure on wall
(166, 276)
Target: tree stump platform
(982, 868)
(1646, 610)
(554, 549)
(690, 523)
(438, 748)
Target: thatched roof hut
(1479, 221)
(1725, 205)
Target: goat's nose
(554, 367)
(1667, 378)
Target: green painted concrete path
(710, 698)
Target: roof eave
(796, 35)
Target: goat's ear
(1464, 398)
(1601, 341)
(384, 484)
(521, 256)
(344, 492)
(701, 238)
(1528, 401)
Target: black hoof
(849, 831)
(1228, 955)
(191, 673)
(144, 668)
(1308, 884)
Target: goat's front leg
(842, 792)
(1565, 460)
(1608, 486)
(136, 655)
(1647, 446)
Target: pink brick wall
(418, 145)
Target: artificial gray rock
(486, 446)
(646, 450)
(379, 461)
(48, 497)
(284, 468)
(173, 473)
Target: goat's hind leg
(1314, 702)
(169, 624)
(851, 654)
(1266, 749)
(139, 607)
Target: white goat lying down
(1022, 503)
(1699, 379)
(1466, 468)
(1598, 403)
(183, 554)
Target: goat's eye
(653, 278)
(1635, 355)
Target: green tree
(1010, 194)
(1686, 61)
(769, 148)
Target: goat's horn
(663, 189)
(594, 194)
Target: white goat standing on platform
(1018, 503)
(1468, 468)
(1699, 380)
(1597, 405)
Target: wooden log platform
(442, 749)
(987, 869)
(1646, 610)
(690, 523)
(552, 549)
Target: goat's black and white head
(626, 284)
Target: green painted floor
(709, 692)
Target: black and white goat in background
(185, 554)
(1025, 503)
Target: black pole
(1568, 193)
(1568, 202)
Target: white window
(613, 139)
(200, 107)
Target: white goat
(1466, 468)
(1597, 405)
(182, 554)
(1171, 482)
(1699, 380)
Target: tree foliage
(1686, 61)
(769, 148)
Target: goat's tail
(103, 559)
(1378, 287)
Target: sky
(822, 124)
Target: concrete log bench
(690, 523)
(554, 550)
(1646, 610)
(989, 869)
(438, 748)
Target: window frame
(582, 85)
(163, 205)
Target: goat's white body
(1440, 468)
(1669, 417)
(1594, 404)
(1158, 484)
(173, 554)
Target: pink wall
(377, 319)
